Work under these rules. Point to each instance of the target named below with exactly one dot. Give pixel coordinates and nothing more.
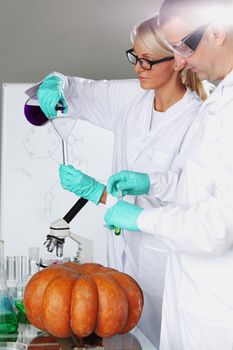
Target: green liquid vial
(8, 320)
(117, 231)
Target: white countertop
(32, 337)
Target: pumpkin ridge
(34, 291)
(84, 306)
(134, 297)
(57, 303)
(113, 305)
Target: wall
(76, 37)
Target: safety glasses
(144, 63)
(188, 45)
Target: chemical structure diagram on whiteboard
(50, 151)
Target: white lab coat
(198, 295)
(124, 108)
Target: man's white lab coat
(198, 228)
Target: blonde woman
(149, 117)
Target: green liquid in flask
(8, 320)
(8, 323)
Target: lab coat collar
(228, 77)
(220, 91)
(226, 82)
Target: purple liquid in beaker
(34, 115)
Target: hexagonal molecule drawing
(43, 148)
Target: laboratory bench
(29, 337)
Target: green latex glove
(129, 182)
(50, 93)
(81, 184)
(124, 215)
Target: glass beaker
(34, 113)
(8, 320)
(33, 267)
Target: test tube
(117, 230)
(23, 266)
(10, 275)
(10, 268)
(17, 268)
(2, 259)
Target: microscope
(60, 230)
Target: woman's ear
(177, 68)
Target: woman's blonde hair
(149, 35)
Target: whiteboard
(31, 194)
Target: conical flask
(8, 320)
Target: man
(198, 226)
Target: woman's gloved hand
(50, 93)
(81, 184)
(129, 182)
(123, 215)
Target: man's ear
(216, 33)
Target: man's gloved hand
(123, 215)
(129, 182)
(50, 93)
(81, 184)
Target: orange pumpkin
(82, 299)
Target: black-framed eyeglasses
(188, 44)
(144, 63)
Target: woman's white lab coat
(198, 228)
(139, 145)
